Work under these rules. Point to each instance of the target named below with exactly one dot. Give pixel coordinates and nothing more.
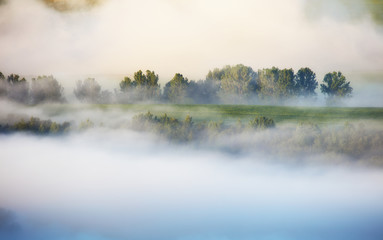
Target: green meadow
(231, 113)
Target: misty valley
(179, 162)
(160, 171)
(191, 120)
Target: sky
(65, 37)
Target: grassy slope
(231, 113)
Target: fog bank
(128, 185)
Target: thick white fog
(116, 183)
(128, 185)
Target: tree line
(230, 84)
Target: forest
(236, 84)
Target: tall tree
(285, 84)
(88, 91)
(268, 79)
(237, 82)
(306, 82)
(335, 85)
(276, 84)
(143, 87)
(17, 89)
(46, 89)
(3, 86)
(175, 89)
(126, 84)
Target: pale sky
(186, 36)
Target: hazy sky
(187, 36)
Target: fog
(190, 37)
(102, 178)
(112, 182)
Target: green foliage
(261, 123)
(36, 126)
(237, 82)
(335, 85)
(175, 91)
(187, 130)
(268, 79)
(164, 125)
(285, 84)
(276, 84)
(305, 82)
(126, 84)
(143, 87)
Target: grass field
(231, 113)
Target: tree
(126, 84)
(46, 89)
(335, 86)
(175, 89)
(285, 84)
(3, 86)
(268, 79)
(88, 91)
(305, 82)
(203, 91)
(276, 84)
(143, 87)
(17, 88)
(237, 82)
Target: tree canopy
(335, 85)
(175, 89)
(46, 89)
(143, 87)
(306, 82)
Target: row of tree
(42, 89)
(231, 84)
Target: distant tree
(88, 91)
(268, 79)
(17, 89)
(305, 82)
(126, 84)
(143, 87)
(261, 123)
(3, 86)
(176, 89)
(203, 91)
(335, 86)
(46, 89)
(236, 83)
(239, 80)
(276, 84)
(285, 84)
(216, 74)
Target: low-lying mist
(111, 181)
